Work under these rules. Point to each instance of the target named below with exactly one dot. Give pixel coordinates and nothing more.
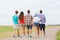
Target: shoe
(13, 36)
(30, 36)
(36, 36)
(18, 35)
(26, 36)
(42, 36)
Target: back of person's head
(36, 13)
(41, 11)
(28, 11)
(21, 15)
(16, 12)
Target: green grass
(6, 29)
(58, 35)
(52, 26)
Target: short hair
(40, 11)
(28, 11)
(16, 11)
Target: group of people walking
(28, 21)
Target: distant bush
(58, 35)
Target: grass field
(6, 31)
(58, 35)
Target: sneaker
(41, 35)
(30, 36)
(36, 36)
(13, 36)
(18, 35)
(26, 36)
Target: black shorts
(29, 26)
(42, 27)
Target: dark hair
(40, 11)
(16, 11)
(28, 11)
(21, 15)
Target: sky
(51, 8)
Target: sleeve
(31, 18)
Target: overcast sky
(51, 8)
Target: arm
(18, 21)
(45, 19)
(31, 20)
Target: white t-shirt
(36, 19)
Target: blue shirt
(43, 20)
(15, 19)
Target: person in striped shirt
(28, 23)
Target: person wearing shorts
(36, 24)
(42, 22)
(21, 24)
(28, 22)
(15, 21)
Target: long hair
(21, 15)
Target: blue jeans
(36, 24)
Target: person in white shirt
(36, 23)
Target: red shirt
(21, 21)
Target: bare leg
(24, 30)
(27, 31)
(44, 32)
(15, 31)
(37, 30)
(18, 32)
(30, 33)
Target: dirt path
(50, 35)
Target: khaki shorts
(15, 27)
(21, 25)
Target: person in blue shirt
(42, 22)
(15, 21)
